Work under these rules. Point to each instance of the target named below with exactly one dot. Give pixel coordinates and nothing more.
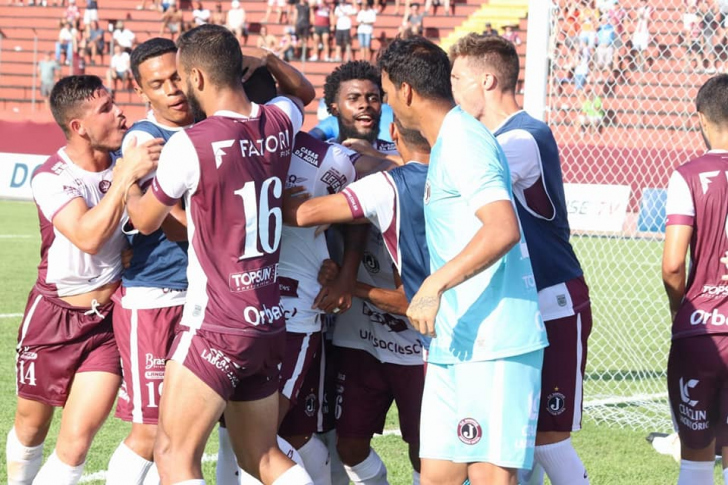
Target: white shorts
(279, 3)
(482, 412)
(640, 40)
(90, 15)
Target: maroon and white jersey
(382, 146)
(230, 169)
(697, 196)
(322, 169)
(65, 270)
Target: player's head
(484, 69)
(261, 86)
(411, 145)
(712, 106)
(209, 59)
(414, 71)
(84, 110)
(154, 66)
(353, 94)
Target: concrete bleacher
(33, 27)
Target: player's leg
(24, 445)
(363, 399)
(407, 383)
(694, 369)
(561, 404)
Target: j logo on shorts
(469, 431)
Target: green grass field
(625, 356)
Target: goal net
(621, 106)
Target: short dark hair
(261, 86)
(69, 94)
(419, 63)
(149, 49)
(494, 52)
(214, 49)
(712, 99)
(347, 72)
(412, 138)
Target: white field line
(625, 400)
(10, 315)
(17, 236)
(101, 475)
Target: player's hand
(253, 58)
(423, 310)
(362, 146)
(329, 272)
(335, 294)
(139, 160)
(126, 256)
(293, 198)
(724, 260)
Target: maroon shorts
(306, 414)
(237, 367)
(697, 383)
(562, 375)
(366, 388)
(329, 370)
(55, 342)
(144, 338)
(301, 350)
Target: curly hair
(347, 72)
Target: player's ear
(334, 109)
(489, 81)
(393, 133)
(139, 91)
(407, 93)
(197, 78)
(77, 127)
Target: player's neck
(86, 157)
(160, 120)
(501, 106)
(432, 115)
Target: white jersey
(65, 270)
(322, 169)
(389, 338)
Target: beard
(351, 131)
(198, 114)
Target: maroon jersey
(230, 169)
(698, 197)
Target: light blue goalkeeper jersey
(495, 313)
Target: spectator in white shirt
(119, 70)
(366, 18)
(200, 15)
(66, 39)
(236, 21)
(124, 37)
(343, 13)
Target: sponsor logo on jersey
(288, 287)
(685, 391)
(370, 262)
(152, 362)
(392, 323)
(307, 155)
(254, 279)
(221, 362)
(104, 186)
(393, 347)
(154, 375)
(385, 146)
(694, 419)
(469, 431)
(702, 317)
(294, 180)
(262, 316)
(279, 143)
(334, 180)
(556, 403)
(715, 291)
(27, 354)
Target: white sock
(295, 475)
(369, 472)
(338, 473)
(695, 473)
(316, 461)
(226, 471)
(23, 462)
(55, 472)
(531, 477)
(415, 477)
(126, 467)
(725, 476)
(196, 481)
(152, 477)
(561, 463)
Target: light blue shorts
(482, 412)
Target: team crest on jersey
(310, 405)
(561, 300)
(293, 180)
(104, 186)
(427, 192)
(556, 403)
(370, 262)
(469, 431)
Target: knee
(352, 452)
(141, 440)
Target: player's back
(539, 197)
(705, 196)
(321, 169)
(235, 220)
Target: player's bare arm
(175, 224)
(674, 253)
(88, 229)
(299, 210)
(146, 212)
(372, 160)
(290, 80)
(498, 234)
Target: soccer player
(484, 77)
(697, 210)
(149, 305)
(66, 354)
(480, 305)
(230, 170)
